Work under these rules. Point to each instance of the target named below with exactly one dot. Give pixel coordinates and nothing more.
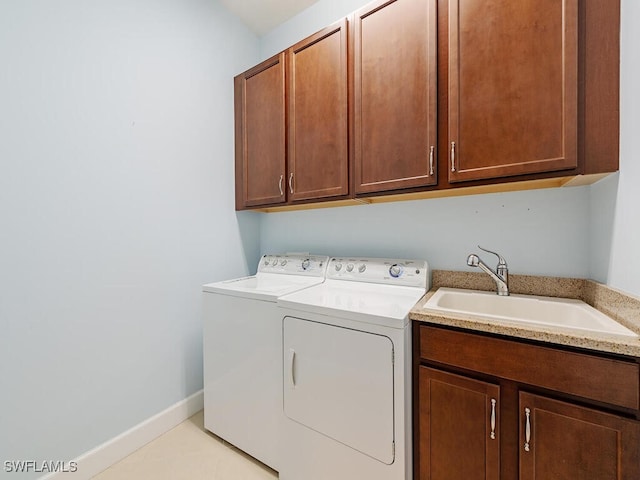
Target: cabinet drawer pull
(280, 185)
(291, 183)
(493, 418)
(453, 157)
(527, 429)
(431, 155)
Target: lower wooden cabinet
(560, 440)
(491, 422)
(459, 427)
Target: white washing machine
(347, 371)
(242, 336)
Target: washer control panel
(380, 270)
(294, 264)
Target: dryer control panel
(294, 264)
(389, 271)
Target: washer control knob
(350, 267)
(306, 263)
(266, 262)
(338, 267)
(395, 270)
(362, 268)
(283, 263)
(275, 262)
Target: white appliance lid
(277, 275)
(262, 286)
(371, 290)
(387, 305)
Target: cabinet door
(459, 430)
(569, 442)
(260, 134)
(318, 115)
(395, 111)
(513, 83)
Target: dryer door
(339, 382)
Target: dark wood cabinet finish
(318, 115)
(569, 442)
(292, 124)
(260, 134)
(513, 87)
(582, 408)
(599, 86)
(414, 99)
(605, 380)
(395, 115)
(458, 439)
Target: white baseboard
(112, 451)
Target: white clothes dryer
(242, 340)
(347, 371)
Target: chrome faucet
(500, 276)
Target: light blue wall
(116, 205)
(615, 202)
(539, 232)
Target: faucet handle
(501, 261)
(473, 260)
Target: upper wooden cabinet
(512, 87)
(433, 98)
(395, 114)
(318, 115)
(292, 124)
(260, 134)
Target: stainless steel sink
(525, 309)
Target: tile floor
(188, 452)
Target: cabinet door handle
(527, 429)
(431, 155)
(292, 359)
(453, 157)
(280, 185)
(291, 183)
(493, 418)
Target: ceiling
(263, 15)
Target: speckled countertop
(623, 308)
